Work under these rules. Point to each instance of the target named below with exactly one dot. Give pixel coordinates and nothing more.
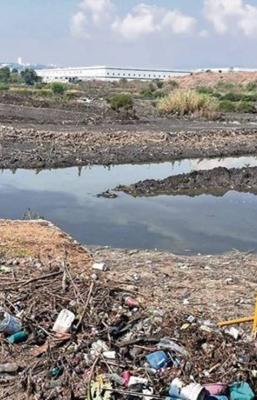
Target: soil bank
(106, 145)
(216, 181)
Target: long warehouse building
(106, 74)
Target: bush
(204, 90)
(250, 97)
(43, 93)
(251, 86)
(58, 88)
(225, 85)
(4, 86)
(120, 101)
(231, 96)
(245, 107)
(22, 91)
(173, 84)
(226, 106)
(186, 102)
(159, 94)
(159, 83)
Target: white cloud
(146, 19)
(230, 16)
(99, 9)
(91, 12)
(78, 25)
(178, 22)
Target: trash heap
(69, 334)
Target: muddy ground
(34, 148)
(38, 135)
(216, 181)
(215, 287)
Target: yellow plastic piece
(242, 320)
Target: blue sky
(163, 33)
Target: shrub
(251, 86)
(158, 94)
(4, 86)
(173, 84)
(250, 97)
(245, 107)
(186, 102)
(226, 106)
(159, 83)
(43, 93)
(204, 90)
(231, 96)
(225, 85)
(147, 93)
(58, 88)
(22, 91)
(121, 101)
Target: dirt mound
(216, 181)
(211, 79)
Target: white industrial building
(106, 74)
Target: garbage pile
(68, 334)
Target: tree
(5, 74)
(58, 88)
(30, 76)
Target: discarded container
(56, 372)
(110, 355)
(176, 387)
(126, 377)
(130, 302)
(100, 266)
(64, 321)
(158, 359)
(9, 324)
(193, 391)
(215, 389)
(99, 347)
(9, 368)
(241, 391)
(148, 393)
(135, 380)
(18, 337)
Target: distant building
(106, 74)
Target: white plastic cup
(176, 387)
(193, 391)
(64, 321)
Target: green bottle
(18, 337)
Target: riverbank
(121, 144)
(129, 310)
(215, 286)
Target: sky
(130, 33)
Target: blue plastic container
(158, 359)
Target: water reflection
(68, 198)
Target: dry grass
(184, 102)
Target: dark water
(182, 224)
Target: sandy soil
(211, 79)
